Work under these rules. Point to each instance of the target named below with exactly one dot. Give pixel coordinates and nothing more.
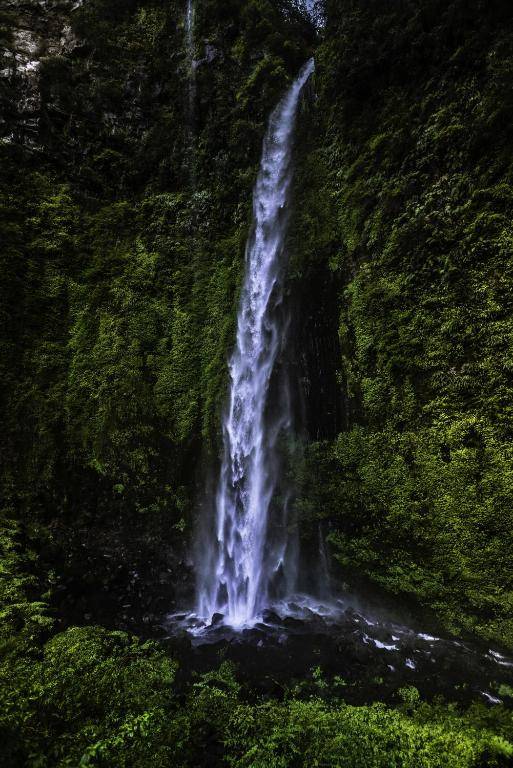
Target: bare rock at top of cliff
(36, 30)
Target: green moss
(120, 271)
(418, 228)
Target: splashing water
(240, 563)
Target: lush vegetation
(95, 698)
(408, 205)
(122, 254)
(122, 243)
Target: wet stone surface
(368, 655)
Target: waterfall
(241, 561)
(314, 9)
(191, 79)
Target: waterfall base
(370, 654)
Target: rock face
(83, 80)
(34, 32)
(120, 578)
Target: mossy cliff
(124, 210)
(124, 240)
(404, 211)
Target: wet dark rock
(374, 657)
(289, 622)
(270, 617)
(253, 635)
(40, 32)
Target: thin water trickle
(240, 562)
(191, 79)
(189, 26)
(324, 566)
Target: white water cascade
(240, 563)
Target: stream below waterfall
(368, 649)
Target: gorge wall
(129, 149)
(120, 280)
(120, 289)
(404, 214)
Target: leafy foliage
(100, 699)
(413, 221)
(93, 699)
(122, 246)
(123, 241)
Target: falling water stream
(189, 28)
(189, 43)
(242, 562)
